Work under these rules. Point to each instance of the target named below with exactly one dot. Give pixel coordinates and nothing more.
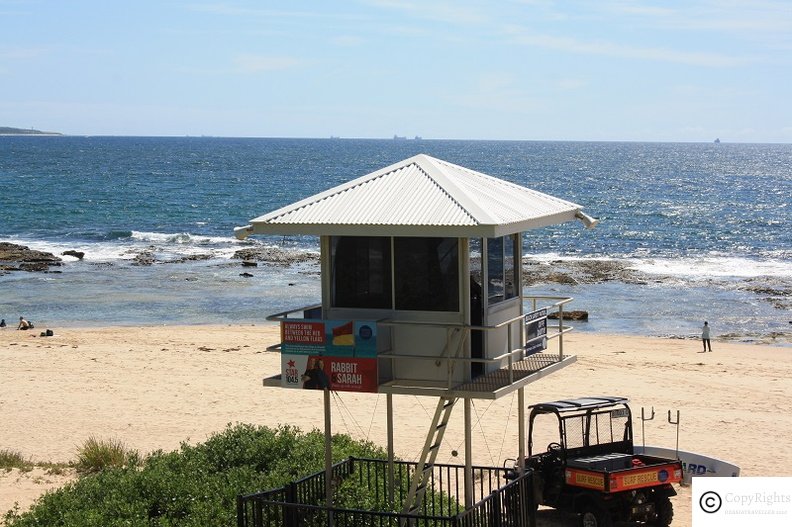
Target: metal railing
(515, 349)
(457, 334)
(365, 482)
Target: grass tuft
(12, 459)
(96, 455)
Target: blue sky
(531, 69)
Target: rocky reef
(15, 257)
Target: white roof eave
(441, 231)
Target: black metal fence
(362, 497)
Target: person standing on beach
(705, 336)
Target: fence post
(290, 512)
(496, 508)
(241, 512)
(530, 501)
(258, 513)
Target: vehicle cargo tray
(608, 462)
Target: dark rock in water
(776, 291)
(766, 290)
(11, 252)
(275, 255)
(148, 257)
(247, 263)
(560, 278)
(571, 315)
(579, 272)
(77, 254)
(246, 275)
(36, 266)
(189, 258)
(144, 258)
(28, 259)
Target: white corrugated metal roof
(420, 196)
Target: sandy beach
(154, 387)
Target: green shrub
(96, 455)
(12, 459)
(195, 486)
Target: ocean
(691, 232)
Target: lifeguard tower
(421, 295)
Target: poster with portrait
(335, 354)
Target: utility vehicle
(592, 468)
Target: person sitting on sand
(23, 324)
(2, 323)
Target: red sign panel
(352, 374)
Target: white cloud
(633, 8)
(737, 15)
(231, 10)
(260, 63)
(21, 53)
(765, 21)
(347, 41)
(407, 31)
(611, 49)
(446, 12)
(226, 9)
(495, 82)
(571, 84)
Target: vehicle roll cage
(588, 409)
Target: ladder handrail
(414, 498)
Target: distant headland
(7, 130)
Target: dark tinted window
(502, 268)
(509, 281)
(426, 274)
(495, 269)
(361, 272)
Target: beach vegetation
(96, 455)
(57, 469)
(194, 486)
(12, 459)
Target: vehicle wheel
(664, 512)
(595, 516)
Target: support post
(391, 470)
(468, 456)
(328, 458)
(521, 430)
(561, 332)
